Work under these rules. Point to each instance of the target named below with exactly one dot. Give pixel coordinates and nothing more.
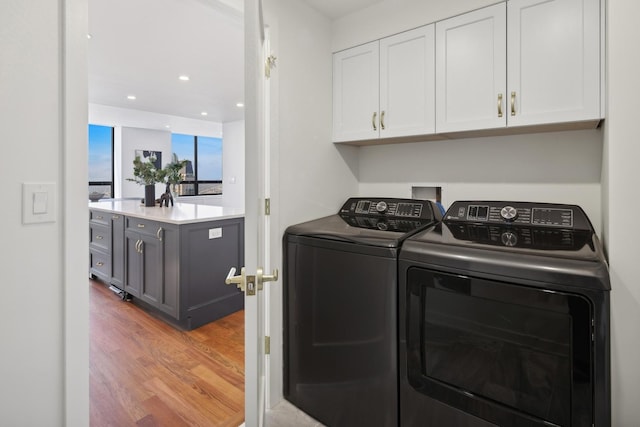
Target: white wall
(622, 177)
(558, 167)
(311, 176)
(233, 164)
(43, 309)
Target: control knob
(381, 206)
(509, 213)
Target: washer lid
(357, 230)
(383, 222)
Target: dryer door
(510, 354)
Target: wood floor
(144, 372)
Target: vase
(150, 195)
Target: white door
(256, 225)
(407, 83)
(553, 60)
(355, 93)
(471, 70)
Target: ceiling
(141, 47)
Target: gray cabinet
(177, 270)
(105, 234)
(146, 259)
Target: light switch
(215, 233)
(38, 202)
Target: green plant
(173, 170)
(145, 172)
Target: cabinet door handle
(98, 237)
(141, 246)
(513, 103)
(373, 120)
(99, 217)
(140, 225)
(499, 105)
(115, 217)
(99, 263)
(382, 120)
(138, 245)
(159, 233)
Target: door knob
(262, 278)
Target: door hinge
(267, 206)
(267, 344)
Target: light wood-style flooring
(144, 372)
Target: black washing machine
(340, 310)
(504, 319)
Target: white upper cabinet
(471, 70)
(553, 53)
(524, 64)
(407, 83)
(385, 89)
(355, 93)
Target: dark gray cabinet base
(177, 271)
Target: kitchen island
(170, 260)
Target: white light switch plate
(38, 202)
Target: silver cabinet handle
(114, 217)
(141, 246)
(99, 237)
(140, 225)
(138, 243)
(382, 120)
(499, 105)
(159, 233)
(99, 264)
(373, 120)
(513, 103)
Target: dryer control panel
(519, 213)
(389, 207)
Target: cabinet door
(355, 93)
(554, 60)
(407, 83)
(471, 70)
(117, 250)
(133, 267)
(152, 269)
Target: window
(101, 160)
(203, 172)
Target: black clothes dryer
(504, 319)
(340, 310)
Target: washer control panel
(389, 207)
(519, 213)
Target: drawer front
(99, 217)
(100, 264)
(100, 237)
(143, 226)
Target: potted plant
(145, 173)
(173, 174)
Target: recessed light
(204, 113)
(184, 78)
(240, 105)
(132, 97)
(167, 126)
(89, 36)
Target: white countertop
(179, 213)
